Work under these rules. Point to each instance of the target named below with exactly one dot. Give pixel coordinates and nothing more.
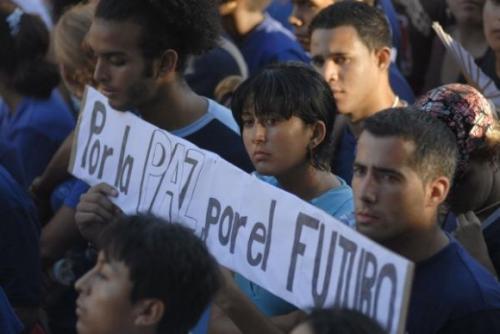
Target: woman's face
(471, 191)
(467, 11)
(276, 145)
(491, 23)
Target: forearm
(57, 169)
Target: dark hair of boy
(168, 262)
(370, 22)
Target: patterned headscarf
(465, 111)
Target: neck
(174, 107)
(382, 99)
(418, 246)
(307, 182)
(241, 22)
(472, 38)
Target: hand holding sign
(95, 211)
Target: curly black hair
(168, 262)
(190, 27)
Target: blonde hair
(69, 36)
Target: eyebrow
(380, 169)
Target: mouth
(366, 218)
(107, 92)
(260, 156)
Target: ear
(74, 86)
(167, 63)
(318, 134)
(148, 312)
(383, 57)
(437, 191)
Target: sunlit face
(303, 13)
(350, 68)
(467, 11)
(103, 305)
(491, 23)
(391, 200)
(276, 145)
(121, 70)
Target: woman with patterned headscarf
(475, 197)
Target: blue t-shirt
(216, 131)
(270, 42)
(337, 202)
(36, 129)
(452, 293)
(20, 266)
(9, 323)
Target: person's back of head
(338, 321)
(189, 27)
(76, 63)
(24, 41)
(171, 277)
(369, 22)
(283, 90)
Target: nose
(259, 133)
(330, 71)
(366, 189)
(101, 73)
(83, 283)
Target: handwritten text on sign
(273, 238)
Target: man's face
(391, 200)
(350, 68)
(103, 305)
(121, 70)
(303, 13)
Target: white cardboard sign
(289, 247)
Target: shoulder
(338, 201)
(50, 116)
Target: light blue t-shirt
(337, 202)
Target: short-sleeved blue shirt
(36, 129)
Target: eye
(117, 60)
(247, 122)
(340, 60)
(317, 61)
(358, 171)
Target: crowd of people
(355, 107)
